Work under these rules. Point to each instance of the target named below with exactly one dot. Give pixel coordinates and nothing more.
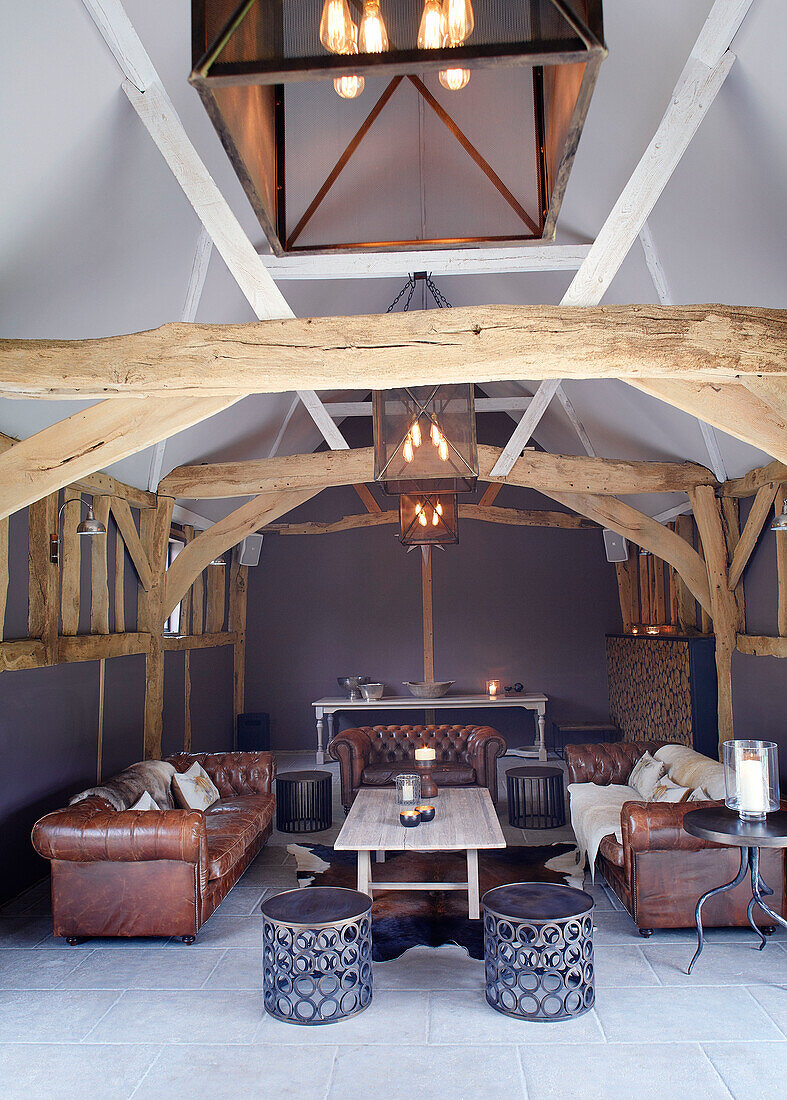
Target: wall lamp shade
(780, 522)
(89, 526)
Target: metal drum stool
(317, 954)
(303, 802)
(538, 950)
(535, 798)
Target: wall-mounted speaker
(615, 545)
(249, 551)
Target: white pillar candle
(425, 754)
(752, 782)
(407, 792)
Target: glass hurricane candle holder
(493, 688)
(751, 778)
(408, 790)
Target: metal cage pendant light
(428, 519)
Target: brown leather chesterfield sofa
(660, 871)
(156, 872)
(372, 756)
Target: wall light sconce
(218, 561)
(89, 526)
(779, 524)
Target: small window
(172, 625)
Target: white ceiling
(97, 238)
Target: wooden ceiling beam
(748, 485)
(511, 517)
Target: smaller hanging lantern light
(428, 519)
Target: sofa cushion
(229, 835)
(699, 795)
(692, 769)
(194, 789)
(123, 789)
(611, 850)
(445, 775)
(667, 791)
(144, 802)
(595, 813)
(261, 807)
(645, 775)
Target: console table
(328, 707)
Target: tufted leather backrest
(234, 773)
(393, 744)
(606, 763)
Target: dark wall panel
(211, 699)
(124, 712)
(174, 728)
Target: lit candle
(752, 784)
(492, 687)
(407, 792)
(426, 812)
(410, 818)
(425, 754)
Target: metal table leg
(758, 888)
(746, 862)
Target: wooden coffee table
(465, 821)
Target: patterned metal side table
(538, 950)
(535, 798)
(304, 802)
(317, 954)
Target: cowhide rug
(403, 919)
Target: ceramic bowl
(422, 689)
(372, 691)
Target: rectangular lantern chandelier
(428, 519)
(399, 123)
(425, 439)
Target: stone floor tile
(51, 1016)
(750, 1070)
(220, 931)
(698, 1014)
(194, 1016)
(447, 1073)
(62, 1071)
(653, 1072)
(600, 897)
(268, 874)
(241, 901)
(470, 1013)
(238, 968)
(617, 929)
(24, 929)
(721, 963)
(263, 1072)
(140, 969)
(31, 968)
(391, 1013)
(773, 999)
(121, 943)
(622, 967)
(430, 968)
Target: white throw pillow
(194, 789)
(699, 795)
(645, 775)
(145, 802)
(667, 791)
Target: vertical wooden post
(3, 572)
(626, 591)
(644, 588)
(730, 518)
(216, 594)
(70, 564)
(687, 606)
(781, 564)
(707, 513)
(660, 598)
(43, 576)
(187, 701)
(185, 603)
(99, 587)
(426, 602)
(197, 604)
(120, 579)
(239, 583)
(155, 539)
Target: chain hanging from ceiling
(428, 284)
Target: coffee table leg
(473, 894)
(379, 856)
(364, 871)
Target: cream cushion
(645, 775)
(692, 769)
(144, 802)
(667, 791)
(194, 789)
(699, 795)
(595, 813)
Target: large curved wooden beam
(468, 344)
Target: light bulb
(336, 27)
(418, 507)
(439, 508)
(435, 519)
(372, 35)
(459, 20)
(435, 434)
(407, 450)
(431, 31)
(415, 432)
(454, 79)
(422, 519)
(443, 450)
(348, 87)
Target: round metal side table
(535, 798)
(304, 802)
(538, 950)
(723, 826)
(316, 954)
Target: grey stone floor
(155, 1018)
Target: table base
(367, 886)
(750, 861)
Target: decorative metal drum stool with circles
(317, 954)
(538, 950)
(535, 798)
(303, 802)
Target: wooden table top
(465, 817)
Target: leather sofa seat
(229, 835)
(610, 850)
(261, 807)
(444, 775)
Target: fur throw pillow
(123, 789)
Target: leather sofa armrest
(606, 763)
(87, 832)
(234, 773)
(484, 746)
(352, 749)
(658, 826)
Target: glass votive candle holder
(751, 778)
(410, 818)
(408, 790)
(426, 812)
